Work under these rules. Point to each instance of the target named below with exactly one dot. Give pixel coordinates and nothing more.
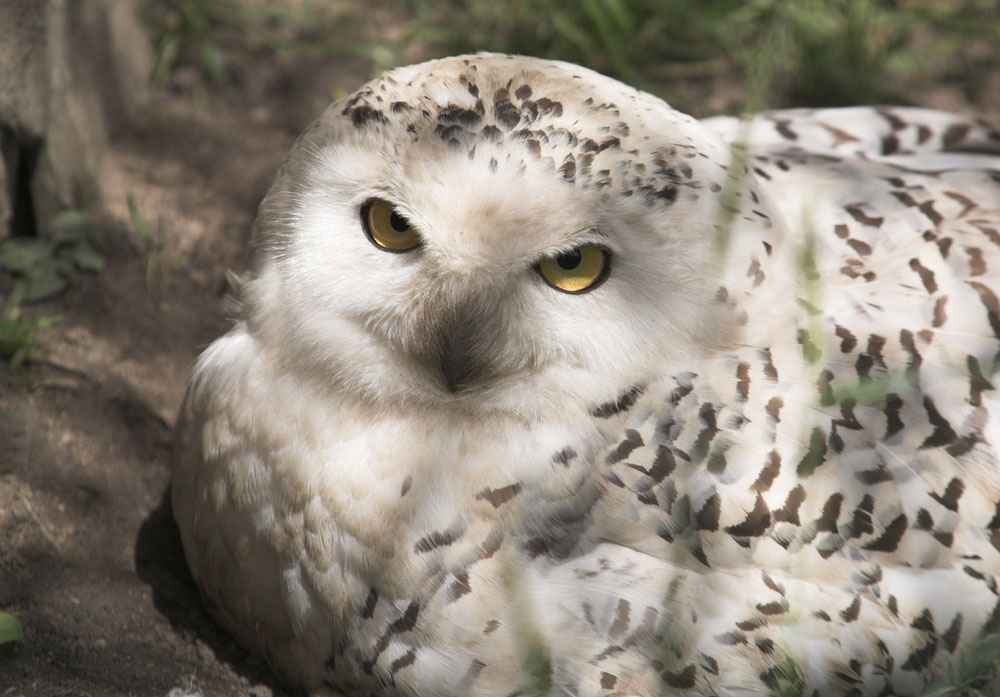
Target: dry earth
(90, 559)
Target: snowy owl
(539, 386)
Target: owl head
(492, 233)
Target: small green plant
(152, 244)
(46, 265)
(10, 629)
(812, 52)
(202, 30)
(17, 332)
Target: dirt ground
(90, 559)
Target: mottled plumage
(760, 452)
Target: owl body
(754, 450)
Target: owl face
(474, 234)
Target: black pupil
(569, 260)
(398, 222)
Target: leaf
(139, 223)
(84, 256)
(10, 628)
(45, 280)
(71, 225)
(19, 254)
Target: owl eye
(578, 270)
(386, 228)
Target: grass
(41, 269)
(10, 629)
(203, 32)
(809, 52)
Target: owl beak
(454, 364)
(468, 343)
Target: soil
(90, 558)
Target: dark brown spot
(523, 92)
(405, 488)
(889, 540)
(859, 215)
(977, 265)
(756, 523)
(952, 493)
(768, 473)
(924, 520)
(743, 381)
(769, 369)
(992, 304)
(784, 128)
(815, 454)
(847, 418)
(608, 681)
(663, 464)
(568, 168)
(456, 114)
(952, 634)
(839, 136)
(810, 351)
(363, 114)
(978, 382)
(498, 497)
(369, 609)
(403, 661)
(924, 622)
(708, 517)
(632, 441)
(434, 540)
(827, 521)
(491, 133)
(460, 586)
(893, 405)
(926, 275)
(848, 340)
(504, 111)
(851, 612)
(778, 607)
(683, 679)
(825, 386)
(862, 248)
(621, 621)
(943, 432)
(876, 475)
(954, 134)
(890, 144)
(700, 447)
(408, 621)
(940, 316)
(623, 403)
(491, 627)
(861, 520)
(789, 513)
(564, 456)
(922, 657)
(732, 639)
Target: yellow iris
(577, 270)
(386, 228)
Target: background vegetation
(759, 52)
